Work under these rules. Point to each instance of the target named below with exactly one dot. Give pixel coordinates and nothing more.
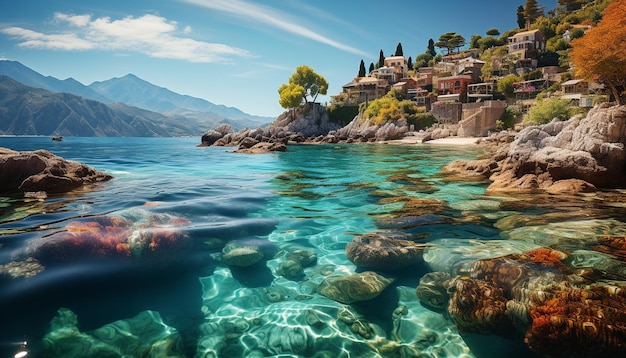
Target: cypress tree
(362, 69)
(409, 63)
(399, 51)
(521, 20)
(381, 60)
(431, 48)
(371, 67)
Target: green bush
(342, 114)
(507, 121)
(546, 110)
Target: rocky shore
(42, 171)
(562, 157)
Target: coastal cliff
(573, 156)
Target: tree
(505, 85)
(362, 69)
(381, 59)
(546, 110)
(399, 51)
(532, 11)
(421, 60)
(450, 41)
(600, 55)
(569, 5)
(474, 41)
(302, 84)
(431, 48)
(493, 32)
(409, 63)
(521, 20)
(372, 67)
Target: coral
(613, 245)
(383, 251)
(545, 256)
(581, 323)
(476, 306)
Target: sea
(203, 252)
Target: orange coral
(545, 256)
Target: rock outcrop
(573, 156)
(41, 170)
(311, 125)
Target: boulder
(383, 252)
(357, 287)
(41, 170)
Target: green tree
(569, 5)
(362, 69)
(381, 59)
(474, 41)
(493, 32)
(546, 110)
(409, 62)
(399, 51)
(302, 84)
(372, 67)
(532, 11)
(450, 41)
(505, 85)
(422, 60)
(431, 48)
(521, 19)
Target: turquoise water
(312, 199)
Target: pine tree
(521, 20)
(399, 51)
(362, 69)
(532, 11)
(431, 48)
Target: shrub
(507, 121)
(546, 110)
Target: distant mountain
(28, 110)
(132, 90)
(136, 92)
(31, 78)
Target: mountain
(28, 110)
(31, 78)
(134, 91)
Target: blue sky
(232, 52)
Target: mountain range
(133, 106)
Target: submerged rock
(383, 251)
(354, 288)
(41, 170)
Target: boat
(57, 138)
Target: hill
(28, 110)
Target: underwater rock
(477, 306)
(28, 267)
(144, 335)
(294, 259)
(354, 288)
(242, 256)
(432, 290)
(383, 251)
(155, 237)
(580, 323)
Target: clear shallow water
(312, 198)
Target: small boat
(57, 138)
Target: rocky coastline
(43, 172)
(579, 155)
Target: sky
(232, 52)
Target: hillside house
(394, 70)
(453, 88)
(527, 46)
(364, 89)
(477, 92)
(577, 91)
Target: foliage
(490, 42)
(546, 110)
(450, 41)
(569, 5)
(302, 84)
(342, 114)
(533, 75)
(505, 85)
(474, 41)
(431, 48)
(381, 59)
(497, 61)
(545, 25)
(399, 51)
(549, 58)
(362, 69)
(372, 68)
(521, 20)
(507, 121)
(600, 54)
(493, 32)
(532, 11)
(291, 95)
(393, 107)
(422, 60)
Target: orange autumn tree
(601, 53)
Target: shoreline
(441, 141)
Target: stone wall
(479, 118)
(447, 113)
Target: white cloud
(271, 17)
(151, 35)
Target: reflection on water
(201, 252)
